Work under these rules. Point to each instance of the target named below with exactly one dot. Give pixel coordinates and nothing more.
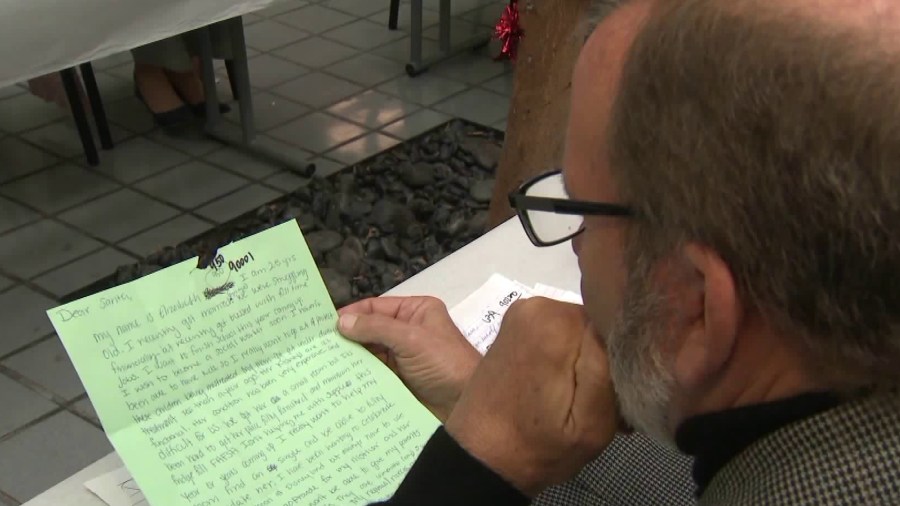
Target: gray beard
(640, 373)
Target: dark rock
(353, 207)
(455, 193)
(355, 244)
(455, 225)
(458, 164)
(390, 216)
(346, 183)
(410, 247)
(321, 201)
(338, 286)
(421, 207)
(485, 153)
(431, 248)
(374, 250)
(302, 194)
(333, 218)
(477, 224)
(383, 215)
(482, 191)
(289, 211)
(390, 248)
(323, 241)
(414, 231)
(447, 150)
(345, 260)
(306, 221)
(391, 276)
(417, 175)
(442, 170)
(442, 214)
(367, 196)
(449, 196)
(418, 264)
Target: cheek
(602, 279)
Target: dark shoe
(165, 119)
(199, 110)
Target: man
(737, 166)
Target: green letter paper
(230, 386)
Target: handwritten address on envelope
(230, 386)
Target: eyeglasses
(549, 216)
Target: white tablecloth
(42, 36)
(504, 250)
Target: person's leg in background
(191, 85)
(151, 80)
(167, 77)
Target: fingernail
(347, 322)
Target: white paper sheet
(542, 290)
(479, 315)
(117, 488)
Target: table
(45, 36)
(505, 250)
(56, 41)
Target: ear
(713, 312)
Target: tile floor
(329, 84)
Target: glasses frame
(522, 203)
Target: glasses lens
(552, 227)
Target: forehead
(595, 83)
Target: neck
(763, 367)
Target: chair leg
(93, 93)
(232, 79)
(84, 129)
(394, 14)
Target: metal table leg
(415, 38)
(209, 77)
(93, 93)
(445, 26)
(70, 83)
(215, 127)
(417, 64)
(394, 14)
(242, 78)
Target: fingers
(396, 307)
(388, 306)
(375, 329)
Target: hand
(541, 405)
(416, 338)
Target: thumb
(374, 329)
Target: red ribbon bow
(509, 31)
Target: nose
(576, 243)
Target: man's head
(759, 144)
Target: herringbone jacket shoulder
(847, 455)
